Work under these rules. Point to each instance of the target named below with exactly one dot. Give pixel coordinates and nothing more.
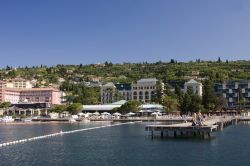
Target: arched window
(140, 95)
(135, 95)
(152, 94)
(146, 95)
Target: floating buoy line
(59, 134)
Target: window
(140, 95)
(230, 91)
(146, 95)
(243, 90)
(236, 85)
(135, 95)
(224, 95)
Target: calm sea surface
(122, 145)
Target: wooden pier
(187, 130)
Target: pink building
(32, 95)
(2, 86)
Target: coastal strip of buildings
(235, 92)
(143, 90)
(20, 92)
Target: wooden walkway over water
(187, 130)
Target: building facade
(196, 86)
(108, 93)
(31, 95)
(124, 90)
(144, 89)
(2, 86)
(237, 93)
(18, 83)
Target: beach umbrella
(131, 114)
(156, 113)
(149, 111)
(96, 113)
(80, 114)
(105, 113)
(117, 114)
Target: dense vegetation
(129, 72)
(71, 108)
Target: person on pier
(194, 119)
(200, 119)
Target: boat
(7, 119)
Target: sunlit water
(121, 145)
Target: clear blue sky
(52, 32)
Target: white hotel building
(144, 89)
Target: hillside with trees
(75, 76)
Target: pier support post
(235, 121)
(152, 134)
(166, 133)
(221, 126)
(203, 135)
(175, 134)
(161, 133)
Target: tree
(118, 95)
(130, 106)
(241, 99)
(58, 108)
(178, 93)
(5, 105)
(221, 103)
(219, 60)
(171, 104)
(209, 97)
(75, 108)
(185, 103)
(159, 93)
(191, 102)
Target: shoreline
(34, 122)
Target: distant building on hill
(124, 90)
(144, 89)
(108, 93)
(237, 93)
(196, 86)
(18, 83)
